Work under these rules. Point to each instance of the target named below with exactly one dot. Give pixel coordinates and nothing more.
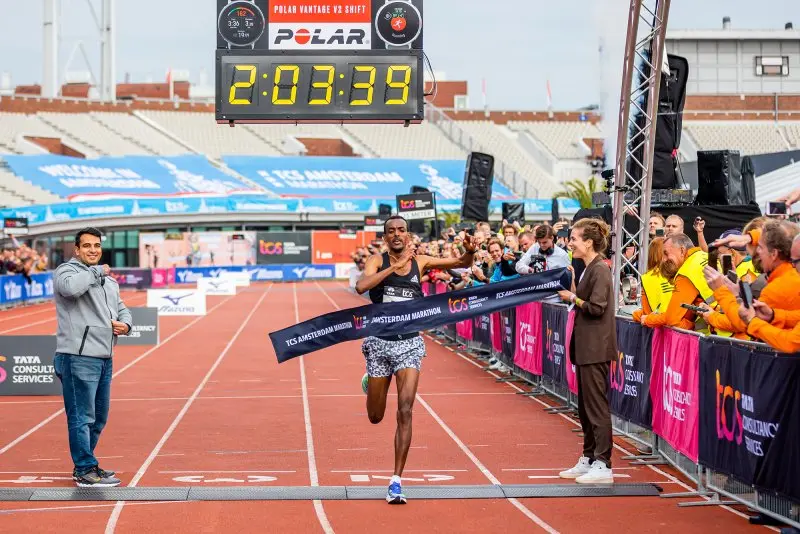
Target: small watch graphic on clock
(241, 23)
(398, 23)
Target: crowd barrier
(17, 289)
(725, 413)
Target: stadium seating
(137, 131)
(200, 131)
(564, 140)
(422, 141)
(502, 143)
(92, 134)
(14, 126)
(748, 137)
(15, 191)
(792, 131)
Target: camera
(538, 263)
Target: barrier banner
(145, 328)
(283, 247)
(26, 366)
(133, 278)
(674, 389)
(481, 331)
(218, 286)
(163, 277)
(572, 377)
(554, 334)
(508, 340)
(177, 301)
(496, 329)
(528, 354)
(629, 394)
(394, 318)
(427, 288)
(749, 419)
(16, 289)
(464, 330)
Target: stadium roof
(733, 35)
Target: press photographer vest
(692, 269)
(747, 267)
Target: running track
(211, 406)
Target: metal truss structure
(633, 175)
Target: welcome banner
(396, 318)
(748, 417)
(674, 389)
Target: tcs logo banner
(457, 305)
(270, 248)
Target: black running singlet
(397, 288)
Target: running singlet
(397, 288)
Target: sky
(517, 46)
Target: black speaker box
(719, 178)
(514, 211)
(478, 179)
(384, 211)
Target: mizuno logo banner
(395, 318)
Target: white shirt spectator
(559, 259)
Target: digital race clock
(273, 86)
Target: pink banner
(497, 332)
(163, 277)
(464, 330)
(441, 287)
(528, 350)
(572, 379)
(674, 389)
(426, 288)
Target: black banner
(283, 247)
(481, 331)
(136, 278)
(629, 391)
(508, 322)
(416, 206)
(394, 318)
(26, 366)
(750, 415)
(554, 335)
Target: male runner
(391, 277)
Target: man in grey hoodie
(90, 315)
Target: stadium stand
(748, 137)
(200, 131)
(792, 130)
(500, 141)
(14, 127)
(423, 141)
(564, 140)
(15, 191)
(93, 134)
(137, 131)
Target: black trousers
(594, 411)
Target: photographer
(554, 257)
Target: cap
(730, 232)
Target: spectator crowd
(19, 258)
(744, 284)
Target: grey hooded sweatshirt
(86, 303)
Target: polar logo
(12, 290)
(311, 272)
(322, 37)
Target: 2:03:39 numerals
(285, 79)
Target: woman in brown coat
(593, 346)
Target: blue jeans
(86, 385)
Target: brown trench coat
(594, 338)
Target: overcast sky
(516, 45)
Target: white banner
(217, 286)
(239, 279)
(177, 301)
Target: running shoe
(93, 480)
(395, 494)
(365, 382)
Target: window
(772, 65)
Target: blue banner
(16, 289)
(70, 177)
(340, 177)
(129, 207)
(261, 273)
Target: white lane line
(82, 507)
(312, 461)
(223, 472)
(488, 474)
(131, 364)
(46, 459)
(112, 521)
(404, 471)
(618, 447)
(360, 449)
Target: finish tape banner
(395, 318)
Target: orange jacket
(675, 315)
(783, 339)
(782, 290)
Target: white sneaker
(581, 468)
(599, 474)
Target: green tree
(580, 191)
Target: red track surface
(212, 404)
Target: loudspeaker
(719, 178)
(514, 211)
(671, 99)
(384, 211)
(478, 178)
